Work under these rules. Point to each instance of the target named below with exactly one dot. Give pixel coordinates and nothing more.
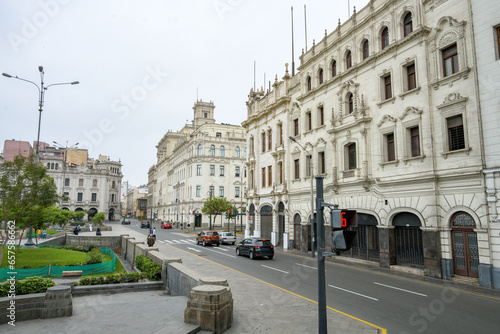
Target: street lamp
(312, 194)
(41, 90)
(65, 153)
(210, 193)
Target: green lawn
(41, 257)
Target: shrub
(95, 256)
(111, 279)
(149, 267)
(29, 285)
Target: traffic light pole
(320, 233)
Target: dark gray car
(255, 247)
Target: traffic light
(155, 215)
(228, 213)
(343, 224)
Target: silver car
(227, 238)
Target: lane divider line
(286, 272)
(400, 289)
(354, 293)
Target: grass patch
(41, 257)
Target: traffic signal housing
(343, 224)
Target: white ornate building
(91, 185)
(202, 158)
(387, 105)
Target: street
(395, 302)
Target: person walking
(98, 231)
(154, 233)
(90, 227)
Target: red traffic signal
(343, 219)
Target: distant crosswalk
(180, 241)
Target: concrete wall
(112, 242)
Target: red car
(166, 225)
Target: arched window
(200, 149)
(320, 76)
(334, 68)
(48, 165)
(52, 166)
(212, 150)
(366, 49)
(222, 151)
(385, 37)
(237, 152)
(57, 166)
(309, 83)
(408, 24)
(350, 104)
(348, 59)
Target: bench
(72, 273)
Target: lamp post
(41, 90)
(210, 194)
(65, 153)
(312, 195)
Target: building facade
(90, 185)
(201, 160)
(386, 109)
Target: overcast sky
(141, 66)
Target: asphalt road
(399, 303)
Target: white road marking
(161, 241)
(199, 251)
(181, 234)
(393, 287)
(213, 250)
(303, 265)
(168, 241)
(286, 272)
(355, 293)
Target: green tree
(78, 215)
(24, 185)
(216, 206)
(59, 217)
(99, 218)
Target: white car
(227, 238)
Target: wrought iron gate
(366, 244)
(409, 246)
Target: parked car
(126, 221)
(227, 238)
(166, 225)
(255, 247)
(145, 223)
(208, 238)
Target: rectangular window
(221, 191)
(237, 171)
(198, 170)
(296, 164)
(264, 177)
(66, 182)
(94, 197)
(80, 182)
(270, 140)
(390, 147)
(66, 196)
(221, 170)
(321, 116)
(263, 142)
(309, 162)
(198, 191)
(351, 150)
(309, 121)
(387, 87)
(321, 162)
(456, 138)
(79, 197)
(251, 147)
(280, 130)
(450, 60)
(252, 179)
(412, 80)
(237, 192)
(280, 167)
(211, 191)
(295, 127)
(218, 134)
(212, 170)
(269, 176)
(94, 183)
(112, 198)
(415, 141)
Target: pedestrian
(39, 233)
(44, 234)
(98, 231)
(90, 227)
(75, 230)
(154, 233)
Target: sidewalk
(258, 306)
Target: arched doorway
(111, 214)
(91, 213)
(266, 221)
(251, 218)
(408, 240)
(296, 231)
(464, 243)
(281, 223)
